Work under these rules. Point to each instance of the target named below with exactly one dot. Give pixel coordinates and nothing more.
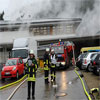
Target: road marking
(12, 94)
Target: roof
(90, 48)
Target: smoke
(88, 10)
(41, 9)
(90, 24)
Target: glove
(45, 65)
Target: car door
(98, 61)
(21, 66)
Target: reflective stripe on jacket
(53, 59)
(31, 78)
(31, 71)
(46, 67)
(46, 61)
(53, 65)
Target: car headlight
(14, 68)
(63, 63)
(2, 69)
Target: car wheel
(89, 68)
(17, 75)
(80, 67)
(24, 72)
(94, 71)
(97, 73)
(3, 79)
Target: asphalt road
(68, 87)
(8, 81)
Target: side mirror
(18, 63)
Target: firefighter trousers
(46, 75)
(31, 84)
(53, 73)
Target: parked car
(87, 60)
(14, 67)
(95, 64)
(80, 59)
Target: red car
(14, 67)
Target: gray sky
(4, 5)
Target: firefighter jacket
(46, 61)
(53, 60)
(31, 70)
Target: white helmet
(52, 50)
(47, 49)
(31, 52)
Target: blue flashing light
(61, 43)
(51, 43)
(59, 55)
(94, 50)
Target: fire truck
(64, 53)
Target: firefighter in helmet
(31, 72)
(46, 65)
(53, 65)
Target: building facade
(11, 30)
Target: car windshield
(23, 53)
(11, 62)
(82, 55)
(86, 55)
(94, 56)
(58, 49)
(97, 57)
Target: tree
(1, 16)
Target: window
(11, 62)
(58, 49)
(92, 55)
(20, 60)
(23, 53)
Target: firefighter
(46, 66)
(53, 65)
(31, 72)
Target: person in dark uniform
(31, 72)
(46, 65)
(53, 65)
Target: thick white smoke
(90, 24)
(88, 10)
(40, 9)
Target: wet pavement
(67, 87)
(8, 81)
